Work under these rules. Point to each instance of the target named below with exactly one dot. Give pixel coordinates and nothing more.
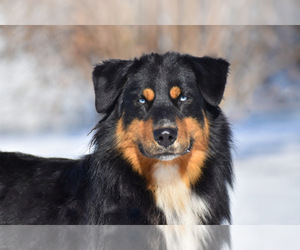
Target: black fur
(102, 188)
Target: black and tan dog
(161, 152)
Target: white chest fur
(180, 205)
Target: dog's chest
(179, 203)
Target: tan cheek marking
(127, 144)
(191, 164)
(149, 94)
(175, 92)
(199, 150)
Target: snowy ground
(267, 167)
(48, 145)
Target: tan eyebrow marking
(175, 92)
(149, 94)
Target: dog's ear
(211, 75)
(109, 78)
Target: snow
(267, 188)
(265, 237)
(48, 145)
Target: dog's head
(161, 102)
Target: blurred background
(162, 12)
(47, 99)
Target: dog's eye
(183, 98)
(142, 101)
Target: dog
(161, 152)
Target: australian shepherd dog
(161, 152)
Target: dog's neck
(179, 203)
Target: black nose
(165, 136)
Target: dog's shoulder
(32, 189)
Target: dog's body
(161, 153)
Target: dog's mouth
(166, 154)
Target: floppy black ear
(211, 75)
(109, 78)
